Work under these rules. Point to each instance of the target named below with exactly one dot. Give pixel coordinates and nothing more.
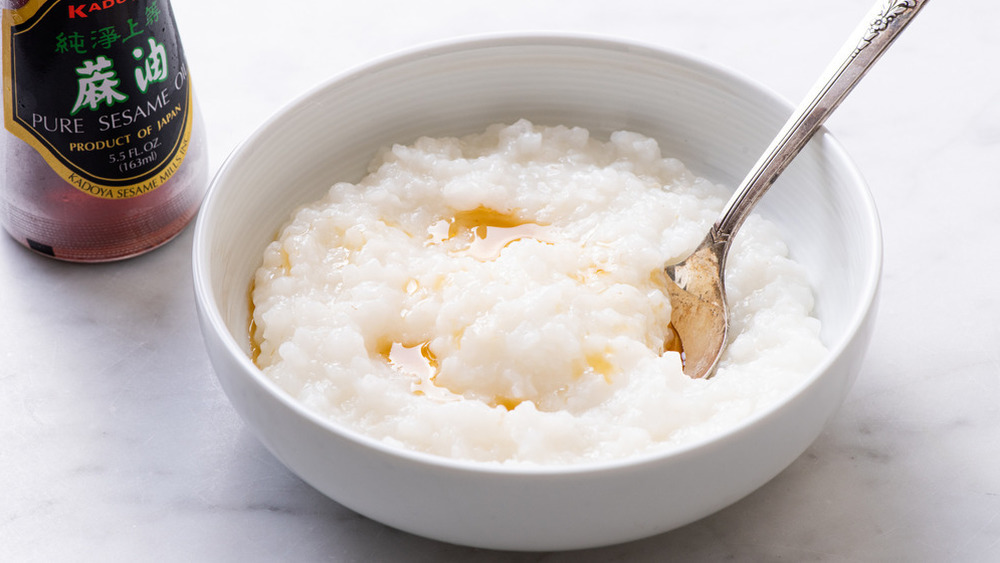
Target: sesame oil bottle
(103, 151)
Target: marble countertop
(116, 442)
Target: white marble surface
(116, 443)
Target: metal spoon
(696, 286)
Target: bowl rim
(209, 307)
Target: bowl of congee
(433, 287)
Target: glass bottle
(103, 152)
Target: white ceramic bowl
(714, 121)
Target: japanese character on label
(154, 67)
(97, 84)
(132, 31)
(152, 14)
(104, 37)
(72, 42)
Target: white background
(116, 442)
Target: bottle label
(100, 89)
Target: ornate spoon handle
(886, 20)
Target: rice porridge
(499, 298)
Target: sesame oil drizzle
(483, 234)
